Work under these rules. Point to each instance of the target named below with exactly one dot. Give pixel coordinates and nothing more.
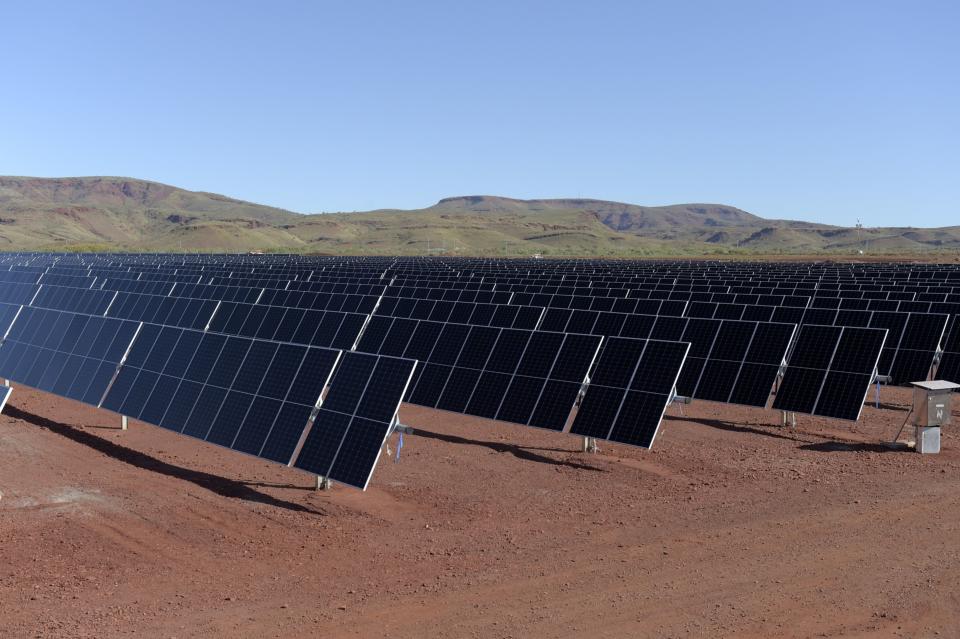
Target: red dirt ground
(731, 526)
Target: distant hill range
(111, 213)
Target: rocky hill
(114, 213)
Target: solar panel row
(251, 395)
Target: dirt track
(730, 527)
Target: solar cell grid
(630, 413)
(822, 357)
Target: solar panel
(830, 371)
(344, 439)
(949, 367)
(630, 390)
(524, 377)
(72, 355)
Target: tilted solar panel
(249, 395)
(630, 390)
(68, 354)
(345, 437)
(830, 371)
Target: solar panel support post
(789, 419)
(323, 483)
(680, 400)
(590, 445)
(123, 422)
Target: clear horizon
(815, 112)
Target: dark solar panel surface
(830, 371)
(630, 390)
(345, 438)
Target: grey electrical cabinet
(931, 403)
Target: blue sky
(826, 111)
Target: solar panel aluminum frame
(116, 372)
(363, 329)
(394, 422)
